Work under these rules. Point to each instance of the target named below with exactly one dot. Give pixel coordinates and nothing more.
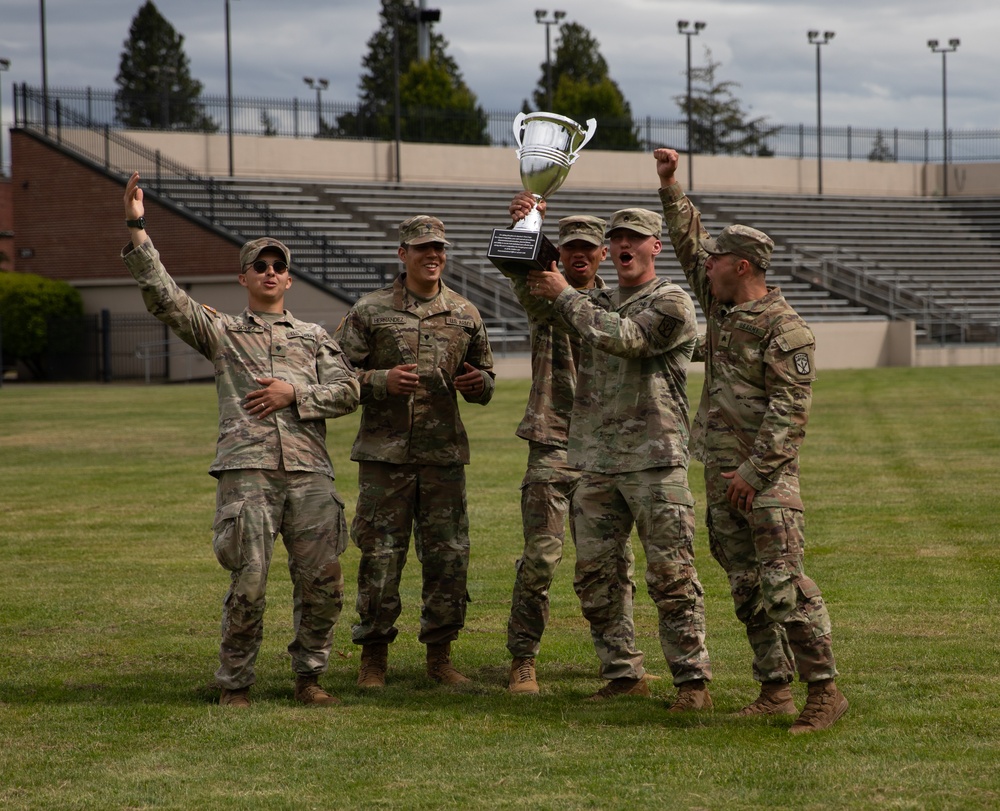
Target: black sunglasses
(261, 266)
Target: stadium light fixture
(816, 39)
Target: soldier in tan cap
(628, 437)
(750, 425)
(417, 345)
(549, 479)
(278, 381)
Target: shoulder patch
(802, 364)
(212, 310)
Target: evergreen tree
(880, 150)
(719, 126)
(435, 103)
(155, 88)
(582, 89)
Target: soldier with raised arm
(751, 421)
(278, 381)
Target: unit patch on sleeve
(801, 360)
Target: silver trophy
(548, 144)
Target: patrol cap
(250, 251)
(640, 220)
(582, 227)
(421, 229)
(742, 241)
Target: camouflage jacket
(759, 368)
(555, 356)
(391, 327)
(630, 411)
(245, 347)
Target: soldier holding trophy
(628, 437)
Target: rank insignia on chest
(801, 360)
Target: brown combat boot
(775, 699)
(308, 691)
(374, 661)
(622, 687)
(439, 666)
(235, 698)
(522, 676)
(824, 705)
(691, 696)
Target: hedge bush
(39, 317)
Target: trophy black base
(515, 252)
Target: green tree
(435, 103)
(582, 88)
(155, 87)
(41, 318)
(880, 150)
(719, 125)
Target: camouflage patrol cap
(582, 227)
(252, 249)
(742, 241)
(640, 220)
(421, 229)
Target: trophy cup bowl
(548, 145)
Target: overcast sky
(877, 71)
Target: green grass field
(110, 596)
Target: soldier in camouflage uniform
(417, 344)
(549, 480)
(278, 380)
(628, 437)
(750, 425)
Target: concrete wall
(374, 161)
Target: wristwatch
(139, 223)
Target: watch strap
(139, 223)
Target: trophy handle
(518, 128)
(590, 133)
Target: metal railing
(935, 321)
(296, 118)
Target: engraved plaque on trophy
(548, 144)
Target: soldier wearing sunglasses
(278, 380)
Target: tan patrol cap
(252, 249)
(582, 227)
(640, 220)
(742, 241)
(421, 229)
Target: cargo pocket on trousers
(341, 534)
(227, 538)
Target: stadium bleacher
(945, 250)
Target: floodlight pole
(933, 45)
(684, 27)
(814, 38)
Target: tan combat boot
(522, 676)
(622, 687)
(308, 691)
(374, 661)
(439, 666)
(691, 696)
(824, 705)
(235, 698)
(775, 699)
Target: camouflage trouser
(392, 499)
(659, 504)
(252, 507)
(786, 621)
